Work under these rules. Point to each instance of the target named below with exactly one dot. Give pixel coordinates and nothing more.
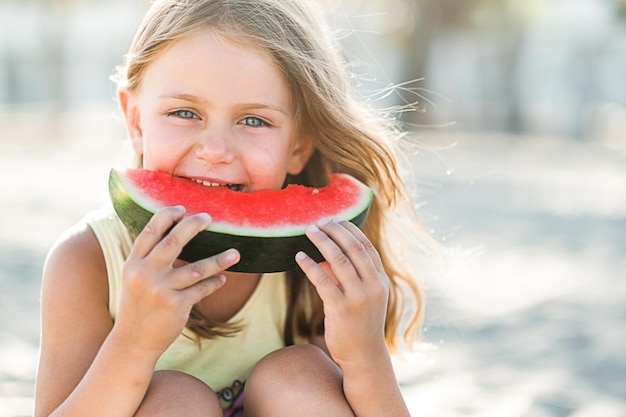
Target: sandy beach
(526, 319)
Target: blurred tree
(498, 22)
(431, 16)
(621, 8)
(53, 34)
(415, 24)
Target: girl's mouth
(234, 187)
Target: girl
(248, 94)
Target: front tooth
(207, 183)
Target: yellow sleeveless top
(222, 363)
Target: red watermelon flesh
(263, 213)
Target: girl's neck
(223, 304)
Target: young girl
(248, 94)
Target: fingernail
(323, 222)
(313, 229)
(301, 256)
(231, 255)
(204, 216)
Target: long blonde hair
(348, 137)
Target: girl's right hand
(157, 294)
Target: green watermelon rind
(272, 252)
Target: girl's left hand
(353, 287)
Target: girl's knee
(298, 362)
(294, 377)
(176, 393)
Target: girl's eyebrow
(256, 106)
(245, 106)
(183, 96)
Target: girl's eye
(184, 114)
(254, 121)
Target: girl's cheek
(166, 141)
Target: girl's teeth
(207, 183)
(234, 187)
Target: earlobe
(132, 118)
(300, 155)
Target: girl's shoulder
(78, 244)
(75, 264)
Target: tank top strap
(116, 243)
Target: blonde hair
(348, 137)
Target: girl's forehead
(205, 62)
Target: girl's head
(301, 46)
(346, 136)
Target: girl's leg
(298, 380)
(173, 393)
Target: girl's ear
(132, 117)
(300, 154)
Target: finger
(329, 271)
(340, 262)
(203, 288)
(154, 230)
(367, 244)
(327, 289)
(170, 246)
(192, 273)
(351, 246)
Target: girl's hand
(354, 289)
(157, 293)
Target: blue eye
(184, 114)
(253, 121)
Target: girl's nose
(216, 147)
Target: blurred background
(519, 171)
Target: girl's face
(217, 113)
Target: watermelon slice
(267, 226)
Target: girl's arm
(75, 326)
(354, 289)
(90, 366)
